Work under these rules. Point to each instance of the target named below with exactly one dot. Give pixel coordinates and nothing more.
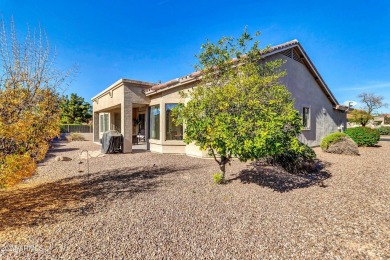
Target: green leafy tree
(75, 110)
(239, 108)
(360, 116)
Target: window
(141, 123)
(173, 132)
(306, 117)
(104, 122)
(154, 122)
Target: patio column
(96, 127)
(127, 126)
(147, 134)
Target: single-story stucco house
(133, 107)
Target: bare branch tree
(30, 87)
(371, 102)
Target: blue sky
(348, 41)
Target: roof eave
(121, 82)
(273, 50)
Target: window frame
(151, 118)
(307, 116)
(166, 124)
(102, 125)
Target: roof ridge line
(195, 74)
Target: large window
(104, 123)
(154, 122)
(173, 132)
(306, 117)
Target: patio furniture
(141, 135)
(112, 142)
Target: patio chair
(141, 135)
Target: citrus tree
(239, 108)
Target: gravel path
(146, 206)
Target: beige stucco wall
(109, 99)
(162, 98)
(106, 102)
(172, 146)
(119, 99)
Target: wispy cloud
(367, 86)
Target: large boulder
(344, 145)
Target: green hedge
(363, 136)
(384, 130)
(330, 139)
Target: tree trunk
(222, 166)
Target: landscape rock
(344, 146)
(62, 158)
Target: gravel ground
(145, 205)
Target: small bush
(384, 130)
(75, 137)
(15, 168)
(363, 136)
(218, 178)
(295, 161)
(330, 139)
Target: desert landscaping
(147, 205)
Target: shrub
(75, 137)
(384, 130)
(218, 178)
(29, 104)
(330, 139)
(15, 168)
(363, 136)
(299, 160)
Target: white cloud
(367, 86)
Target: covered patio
(122, 107)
